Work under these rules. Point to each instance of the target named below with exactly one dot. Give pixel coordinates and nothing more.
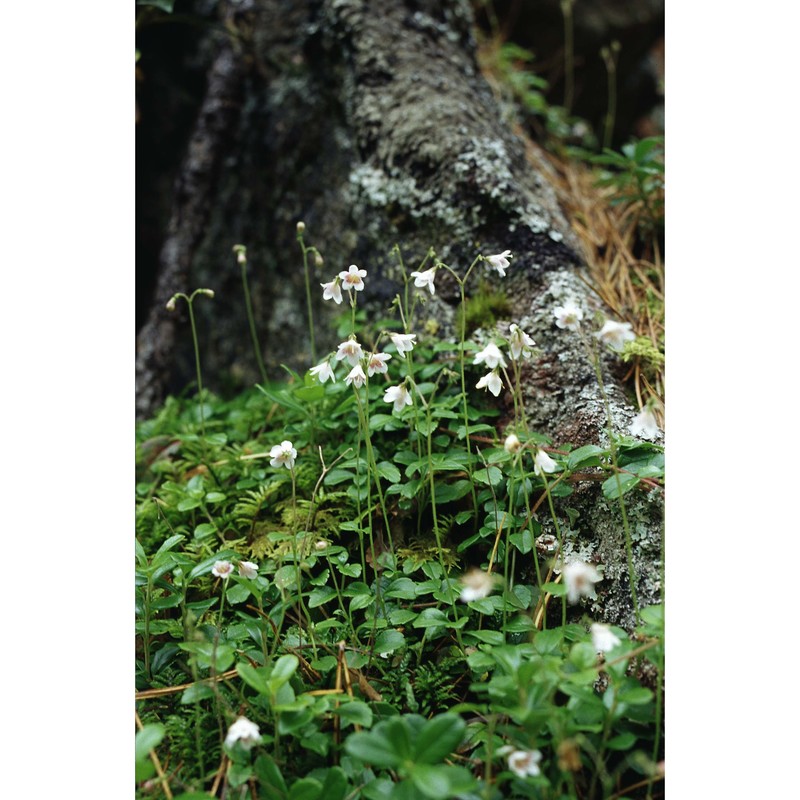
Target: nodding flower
(353, 278)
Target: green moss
(484, 308)
(643, 348)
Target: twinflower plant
(375, 580)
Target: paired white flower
(644, 424)
(579, 578)
(476, 584)
(543, 463)
(377, 364)
(499, 262)
(615, 334)
(519, 343)
(425, 279)
(512, 443)
(399, 395)
(247, 569)
(333, 291)
(244, 732)
(490, 381)
(568, 316)
(353, 278)
(524, 763)
(356, 377)
(350, 350)
(603, 638)
(491, 356)
(283, 455)
(404, 342)
(222, 569)
(324, 372)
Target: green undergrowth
(341, 596)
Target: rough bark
(193, 192)
(371, 122)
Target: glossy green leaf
(306, 789)
(148, 738)
(618, 485)
(373, 748)
(440, 736)
(356, 712)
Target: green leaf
(282, 399)
(653, 615)
(555, 589)
(204, 530)
(336, 476)
(320, 596)
(431, 781)
(373, 748)
(310, 394)
(618, 485)
(355, 712)
(237, 593)
(195, 693)
(425, 427)
(586, 456)
(254, 677)
(489, 637)
(402, 588)
(270, 777)
(483, 606)
(335, 786)
(188, 503)
(448, 492)
(636, 695)
(389, 471)
(379, 422)
(284, 668)
(431, 618)
(192, 796)
(488, 476)
(388, 641)
(440, 736)
(172, 542)
(238, 774)
(361, 601)
(624, 741)
(305, 789)
(148, 738)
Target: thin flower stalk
(462, 282)
(363, 416)
(190, 302)
(241, 257)
(310, 309)
(432, 486)
(594, 358)
(543, 476)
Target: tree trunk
(370, 121)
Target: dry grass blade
(631, 284)
(162, 779)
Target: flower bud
(207, 292)
(318, 261)
(241, 253)
(512, 444)
(171, 303)
(301, 226)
